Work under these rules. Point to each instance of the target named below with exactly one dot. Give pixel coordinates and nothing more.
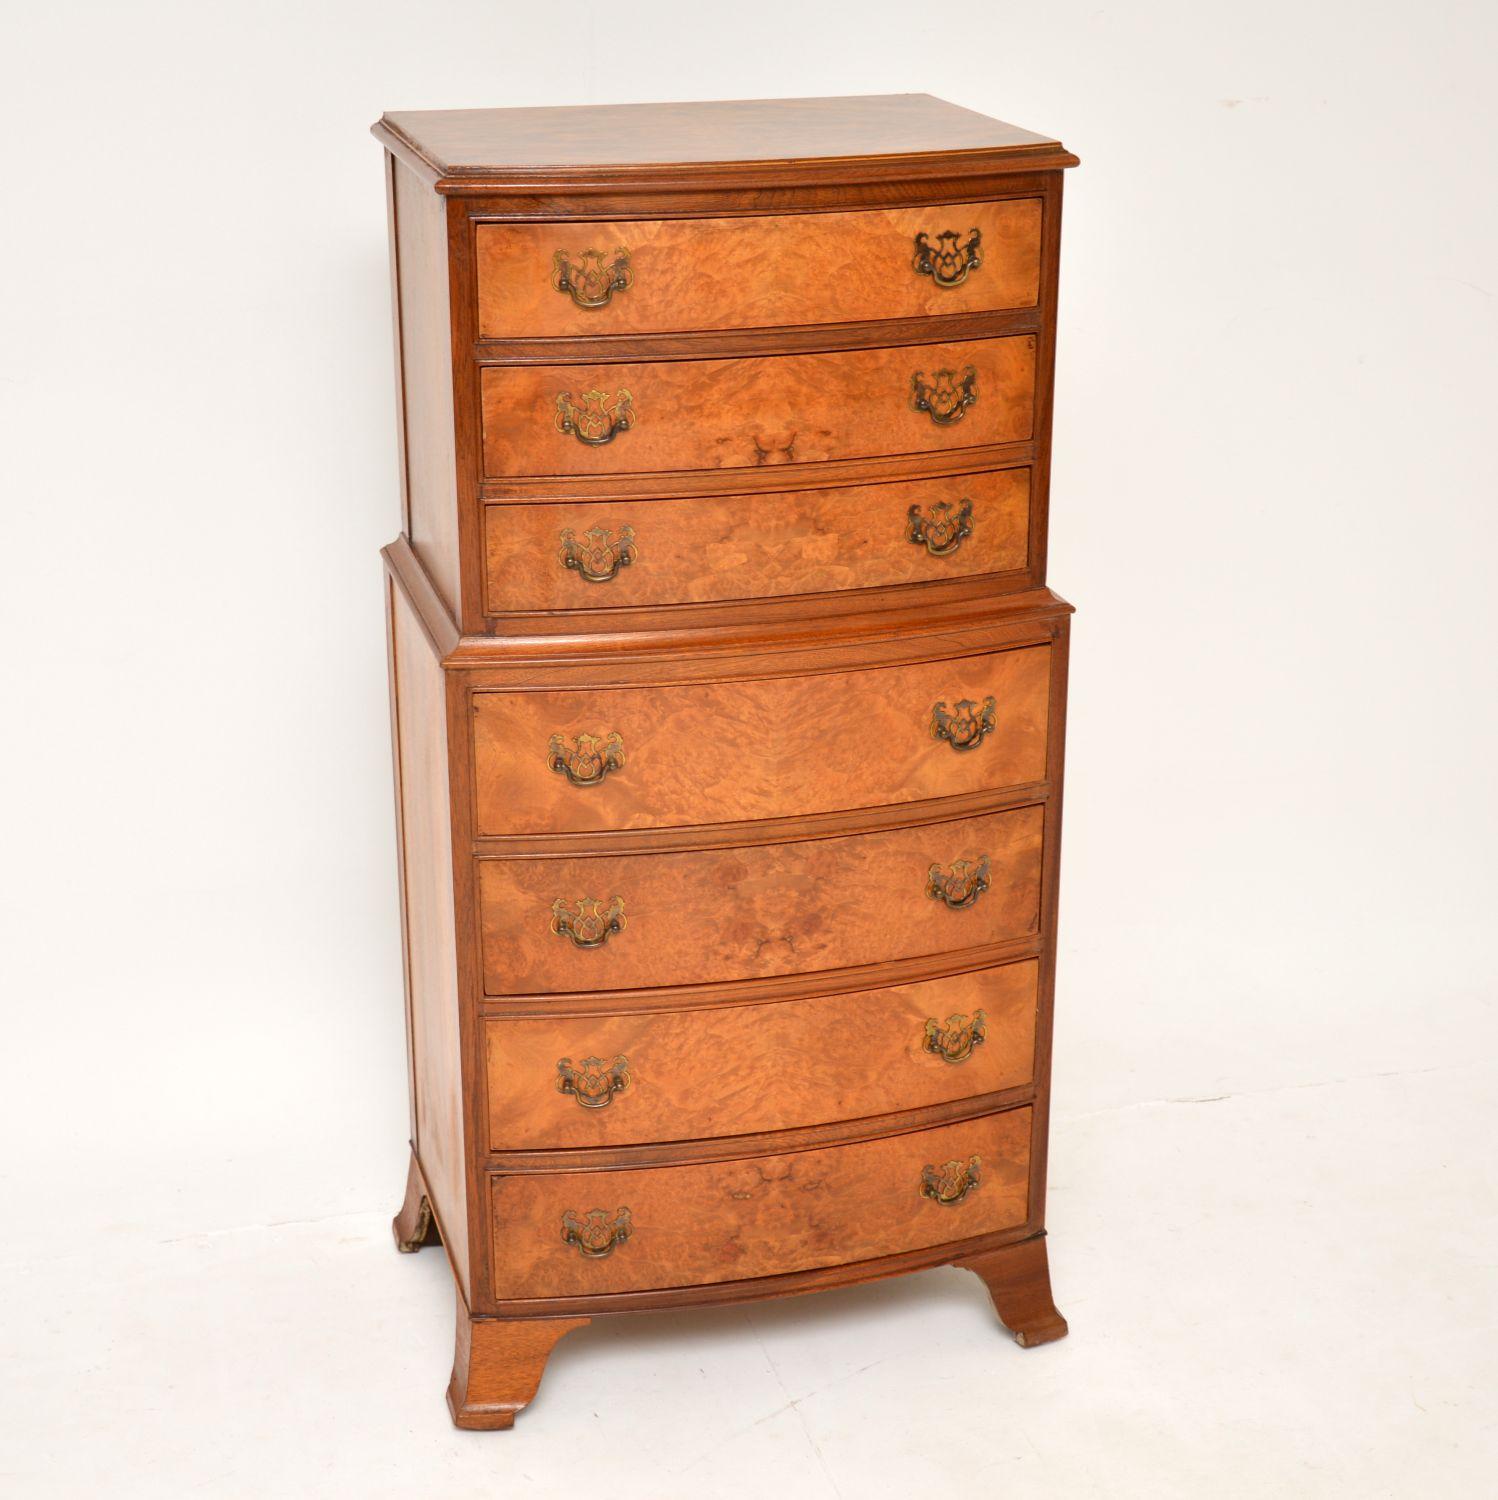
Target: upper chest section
(740, 351)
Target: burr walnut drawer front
(613, 922)
(569, 762)
(587, 554)
(741, 413)
(574, 1234)
(550, 280)
(623, 1079)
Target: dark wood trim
(679, 484)
(757, 631)
(763, 639)
(960, 638)
(467, 417)
(748, 835)
(676, 839)
(657, 183)
(714, 1294)
(616, 204)
(469, 962)
(779, 203)
(762, 1143)
(653, 179)
(399, 147)
(403, 565)
(762, 343)
(1045, 384)
(642, 617)
(1018, 1278)
(1049, 914)
(766, 991)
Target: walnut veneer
(728, 706)
(746, 413)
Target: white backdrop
(1274, 496)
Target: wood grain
(782, 747)
(724, 1221)
(780, 957)
(745, 413)
(1018, 1278)
(755, 546)
(430, 925)
(760, 910)
(813, 632)
(497, 1366)
(758, 1068)
(748, 273)
(770, 133)
(429, 449)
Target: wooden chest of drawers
(728, 706)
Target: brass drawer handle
(588, 924)
(966, 727)
(590, 758)
(952, 1181)
(946, 398)
(955, 1041)
(595, 1234)
(597, 558)
(961, 886)
(593, 1082)
(588, 280)
(946, 262)
(941, 533)
(595, 422)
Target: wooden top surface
(607, 139)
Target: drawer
(592, 554)
(577, 1234)
(642, 276)
(618, 1080)
(742, 413)
(567, 762)
(604, 922)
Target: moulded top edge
(464, 151)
